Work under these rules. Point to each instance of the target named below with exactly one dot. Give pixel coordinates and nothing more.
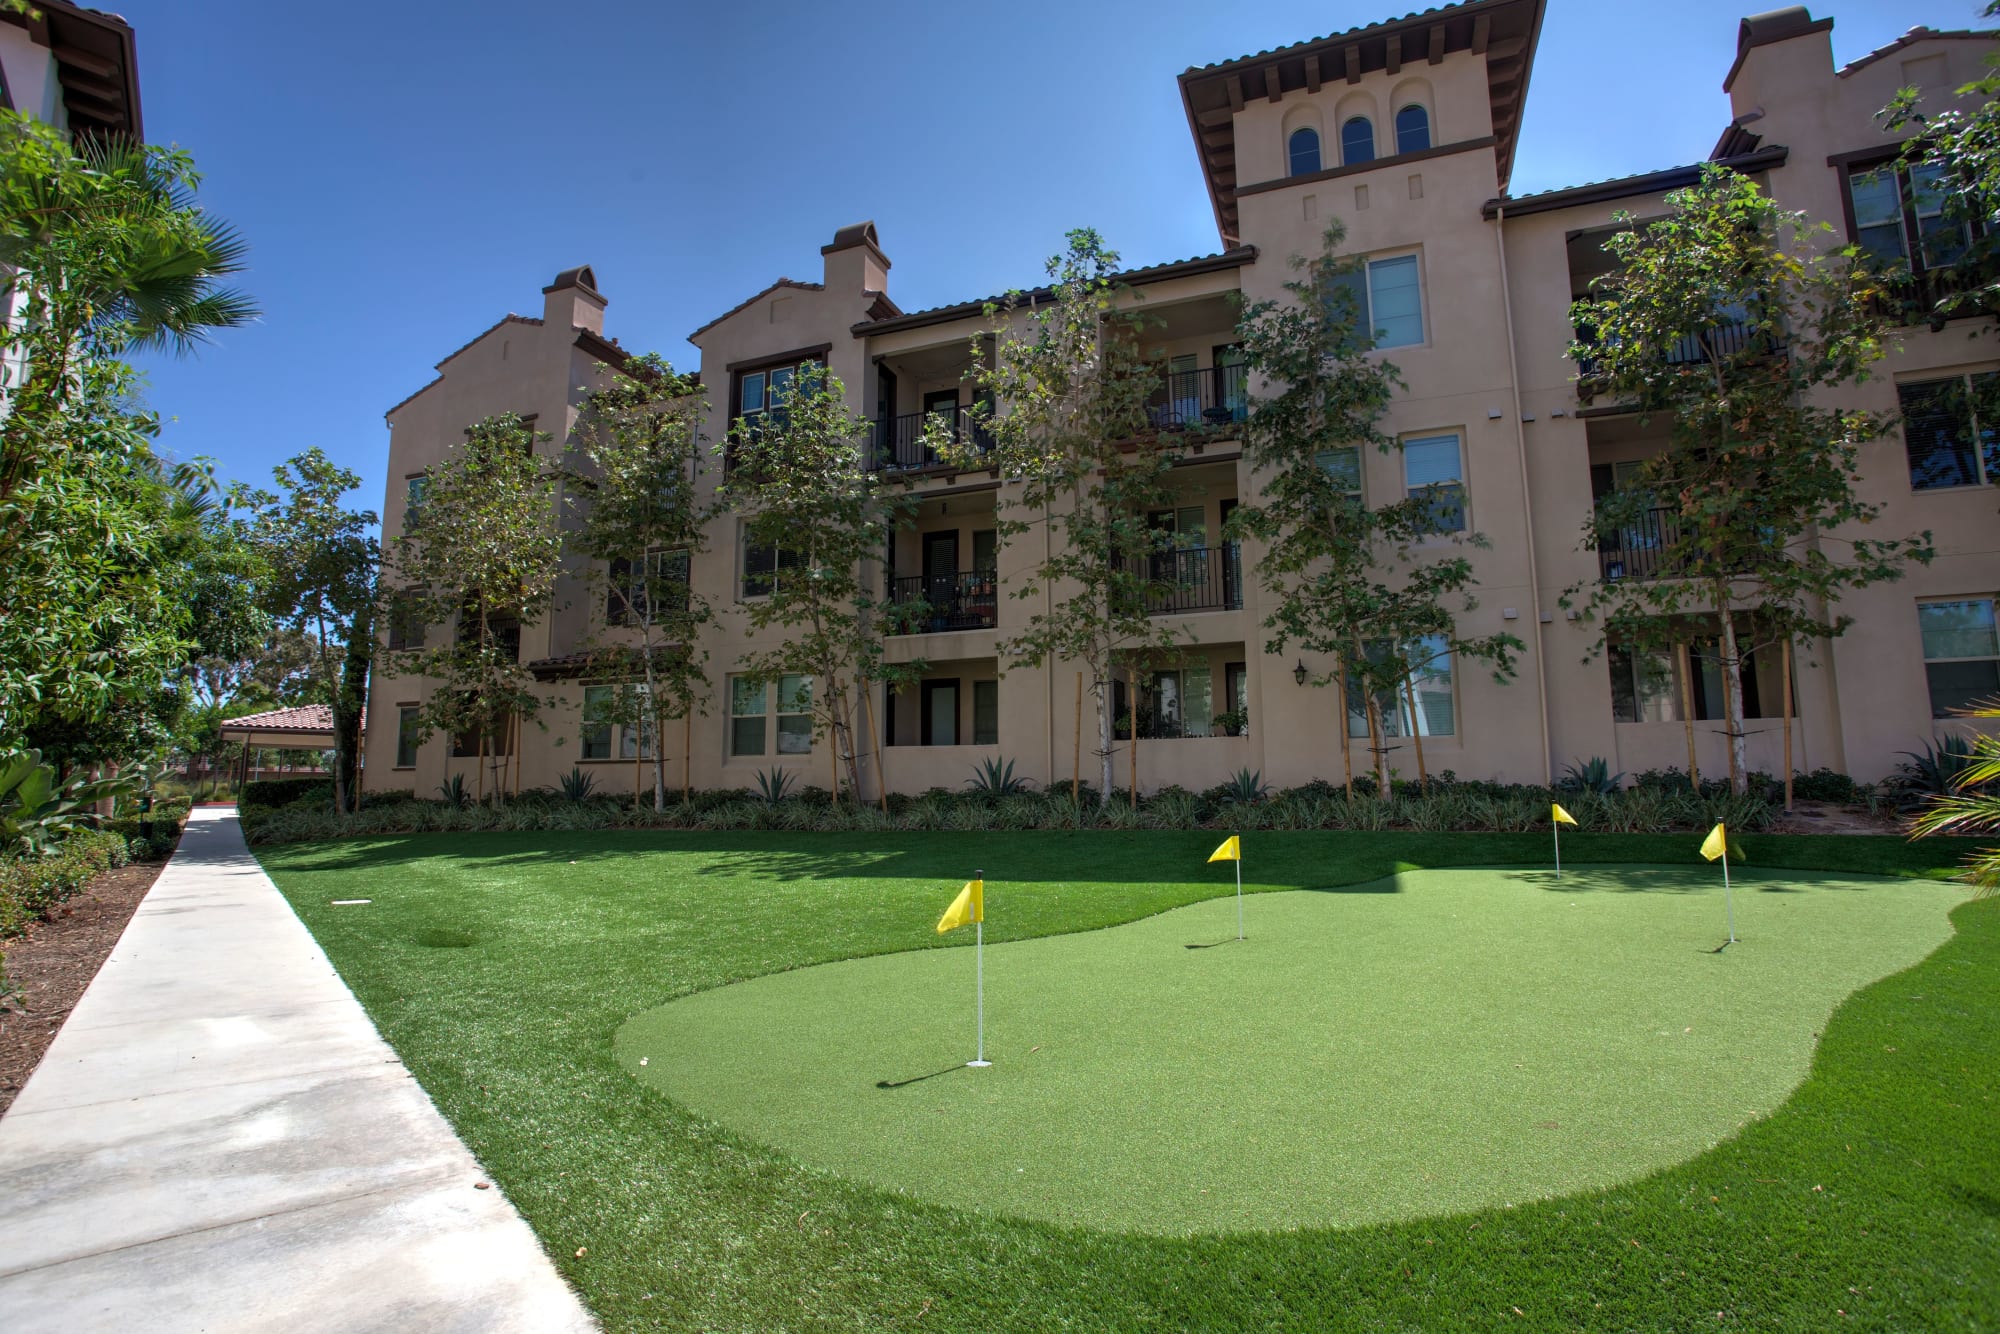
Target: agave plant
(1592, 775)
(578, 785)
(1935, 771)
(453, 794)
(995, 778)
(774, 784)
(37, 810)
(1246, 786)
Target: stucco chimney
(1786, 51)
(572, 301)
(855, 262)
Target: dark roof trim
(601, 348)
(1736, 141)
(1779, 25)
(97, 67)
(778, 358)
(1867, 156)
(750, 301)
(1185, 268)
(1396, 160)
(1598, 192)
(582, 277)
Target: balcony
(1192, 579)
(1208, 399)
(935, 603)
(901, 444)
(1724, 340)
(1912, 298)
(1642, 550)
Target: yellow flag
(969, 906)
(1561, 816)
(1230, 851)
(1715, 845)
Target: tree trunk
(1346, 741)
(350, 704)
(1732, 700)
(1103, 688)
(1684, 661)
(1416, 733)
(1377, 746)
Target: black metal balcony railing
(1641, 550)
(1217, 396)
(1193, 579)
(1913, 298)
(901, 443)
(1724, 340)
(969, 601)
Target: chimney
(573, 302)
(854, 261)
(1780, 56)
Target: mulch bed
(48, 969)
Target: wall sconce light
(1299, 673)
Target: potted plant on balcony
(1231, 722)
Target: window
(1961, 653)
(664, 571)
(406, 625)
(1898, 216)
(602, 705)
(1427, 665)
(762, 563)
(937, 725)
(1645, 687)
(413, 498)
(1388, 300)
(1303, 148)
(1432, 470)
(465, 745)
(1236, 696)
(747, 708)
(406, 736)
(985, 550)
(1357, 141)
(985, 713)
(761, 391)
(1343, 464)
(1949, 433)
(1173, 703)
(751, 708)
(1413, 129)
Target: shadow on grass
(954, 1068)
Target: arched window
(1357, 141)
(1413, 129)
(1304, 149)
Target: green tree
(1728, 320)
(1951, 159)
(1349, 581)
(636, 465)
(480, 553)
(795, 473)
(1076, 431)
(108, 252)
(321, 562)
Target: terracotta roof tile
(305, 718)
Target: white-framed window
(1961, 652)
(406, 736)
(1389, 300)
(1951, 431)
(1434, 470)
(1343, 464)
(760, 391)
(1898, 213)
(606, 739)
(663, 570)
(754, 704)
(1427, 664)
(762, 564)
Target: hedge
(275, 793)
(31, 885)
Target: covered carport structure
(308, 727)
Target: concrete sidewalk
(218, 1140)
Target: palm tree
(1974, 807)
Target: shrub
(578, 785)
(34, 884)
(1824, 784)
(274, 793)
(1246, 786)
(992, 781)
(773, 784)
(453, 792)
(1592, 775)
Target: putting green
(1442, 1041)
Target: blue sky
(405, 175)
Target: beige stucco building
(1405, 131)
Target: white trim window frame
(1960, 640)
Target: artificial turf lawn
(1874, 1190)
(1438, 1042)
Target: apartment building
(74, 68)
(1406, 132)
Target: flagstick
(1239, 891)
(979, 976)
(1556, 828)
(1728, 903)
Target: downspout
(1527, 495)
